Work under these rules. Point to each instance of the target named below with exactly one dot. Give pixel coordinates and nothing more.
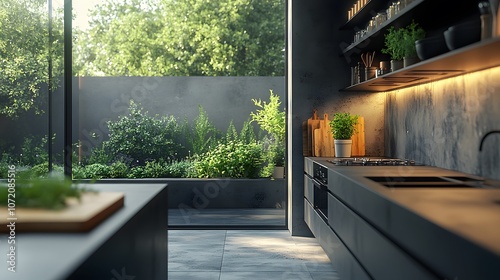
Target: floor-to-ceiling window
(186, 92)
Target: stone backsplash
(441, 123)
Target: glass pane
(165, 90)
(31, 48)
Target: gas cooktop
(369, 161)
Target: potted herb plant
(271, 118)
(411, 34)
(394, 47)
(400, 45)
(343, 127)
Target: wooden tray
(79, 216)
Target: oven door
(321, 199)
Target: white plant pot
(343, 148)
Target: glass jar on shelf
(380, 18)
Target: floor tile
(320, 275)
(194, 275)
(265, 275)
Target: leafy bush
(92, 171)
(270, 117)
(42, 170)
(162, 169)
(204, 133)
(101, 155)
(233, 159)
(142, 137)
(34, 151)
(119, 170)
(5, 162)
(182, 169)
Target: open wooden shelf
(478, 56)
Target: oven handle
(319, 185)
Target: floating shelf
(365, 14)
(478, 56)
(374, 33)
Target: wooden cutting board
(358, 139)
(79, 216)
(323, 139)
(312, 124)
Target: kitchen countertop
(125, 240)
(441, 222)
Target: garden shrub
(233, 159)
(182, 169)
(42, 170)
(204, 133)
(163, 169)
(142, 137)
(92, 171)
(34, 151)
(119, 170)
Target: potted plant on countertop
(400, 45)
(343, 127)
(271, 118)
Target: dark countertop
(57, 255)
(435, 224)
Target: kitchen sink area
(428, 182)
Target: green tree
(24, 54)
(184, 38)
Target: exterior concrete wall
(100, 99)
(442, 123)
(223, 98)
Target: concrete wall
(442, 123)
(315, 74)
(225, 99)
(100, 99)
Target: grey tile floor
(245, 254)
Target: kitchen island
(132, 242)
(395, 229)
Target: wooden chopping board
(79, 216)
(312, 124)
(358, 139)
(323, 139)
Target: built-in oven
(320, 190)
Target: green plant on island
(46, 193)
(343, 125)
(400, 42)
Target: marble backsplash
(441, 123)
